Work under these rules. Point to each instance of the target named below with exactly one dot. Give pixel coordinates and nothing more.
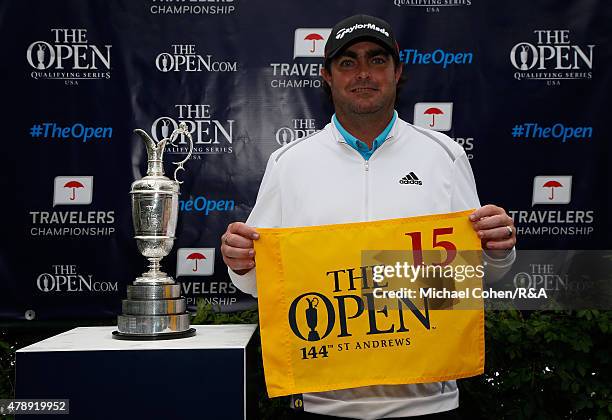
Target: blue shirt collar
(359, 145)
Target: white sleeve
(463, 197)
(266, 213)
(463, 193)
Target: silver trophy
(154, 308)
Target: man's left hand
(494, 228)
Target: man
(355, 170)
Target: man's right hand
(237, 247)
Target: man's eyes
(374, 60)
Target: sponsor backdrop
(522, 86)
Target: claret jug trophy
(154, 308)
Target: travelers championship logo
(553, 190)
(184, 57)
(69, 56)
(310, 42)
(70, 191)
(545, 188)
(551, 57)
(297, 129)
(201, 7)
(195, 262)
(210, 135)
(307, 43)
(200, 262)
(432, 6)
(434, 115)
(438, 116)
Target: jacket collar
(340, 139)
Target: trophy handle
(180, 164)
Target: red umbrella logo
(74, 185)
(552, 185)
(313, 37)
(433, 112)
(196, 256)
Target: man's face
(363, 79)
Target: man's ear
(326, 75)
(398, 72)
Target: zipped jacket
(321, 180)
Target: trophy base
(153, 312)
(117, 335)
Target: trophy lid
(154, 181)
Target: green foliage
(539, 365)
(268, 408)
(543, 365)
(208, 315)
(7, 367)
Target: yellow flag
(336, 308)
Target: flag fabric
(326, 325)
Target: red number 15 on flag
(417, 245)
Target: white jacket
(322, 180)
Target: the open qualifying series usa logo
(432, 6)
(552, 58)
(69, 56)
(210, 135)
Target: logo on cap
(341, 32)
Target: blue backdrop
(522, 85)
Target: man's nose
(363, 71)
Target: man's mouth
(363, 89)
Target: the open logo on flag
(326, 323)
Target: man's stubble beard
(356, 108)
(359, 109)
